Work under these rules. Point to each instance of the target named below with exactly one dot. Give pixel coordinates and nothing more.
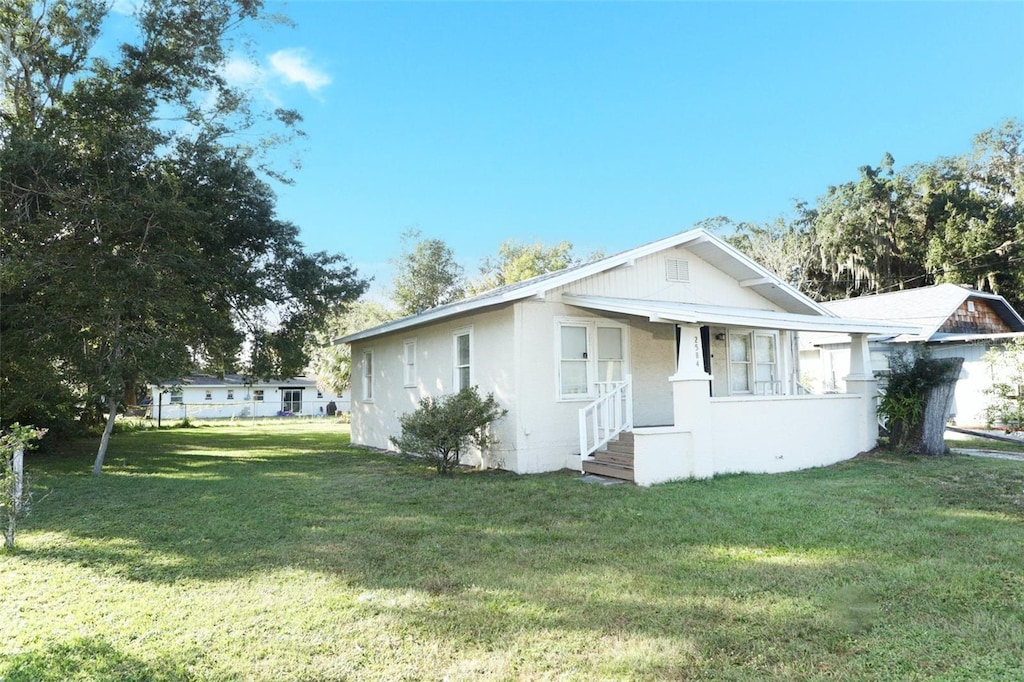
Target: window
(739, 363)
(589, 353)
(409, 360)
(765, 365)
(575, 359)
(208, 395)
(177, 396)
(319, 394)
(462, 347)
(231, 394)
(368, 375)
(291, 400)
(257, 395)
(753, 362)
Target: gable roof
(926, 307)
(700, 242)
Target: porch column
(691, 396)
(861, 381)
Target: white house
(209, 397)
(955, 321)
(675, 359)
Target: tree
(917, 402)
(331, 362)
(131, 249)
(518, 261)
(427, 274)
(443, 428)
(1006, 394)
(781, 246)
(975, 211)
(869, 235)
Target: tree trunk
(97, 467)
(937, 406)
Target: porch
(774, 426)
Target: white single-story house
(675, 359)
(203, 396)
(955, 321)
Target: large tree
(517, 261)
(133, 248)
(975, 210)
(426, 274)
(332, 362)
(869, 235)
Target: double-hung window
(462, 358)
(409, 362)
(368, 375)
(589, 352)
(754, 362)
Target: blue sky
(611, 124)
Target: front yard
(275, 552)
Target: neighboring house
(675, 359)
(234, 395)
(955, 321)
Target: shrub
(1006, 394)
(442, 428)
(904, 406)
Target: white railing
(606, 417)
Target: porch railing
(606, 417)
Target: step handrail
(606, 417)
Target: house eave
(690, 313)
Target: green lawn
(275, 552)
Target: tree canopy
(958, 219)
(426, 274)
(137, 239)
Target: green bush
(902, 406)
(442, 428)
(1006, 394)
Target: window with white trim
(589, 352)
(208, 395)
(257, 395)
(462, 358)
(409, 362)
(368, 375)
(231, 394)
(754, 362)
(177, 396)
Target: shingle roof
(927, 307)
(700, 241)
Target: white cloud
(241, 72)
(292, 66)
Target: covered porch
(745, 412)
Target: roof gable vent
(677, 270)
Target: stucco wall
(374, 422)
(774, 434)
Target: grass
(276, 552)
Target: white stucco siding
(647, 278)
(376, 420)
(771, 435)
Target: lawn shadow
(86, 658)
